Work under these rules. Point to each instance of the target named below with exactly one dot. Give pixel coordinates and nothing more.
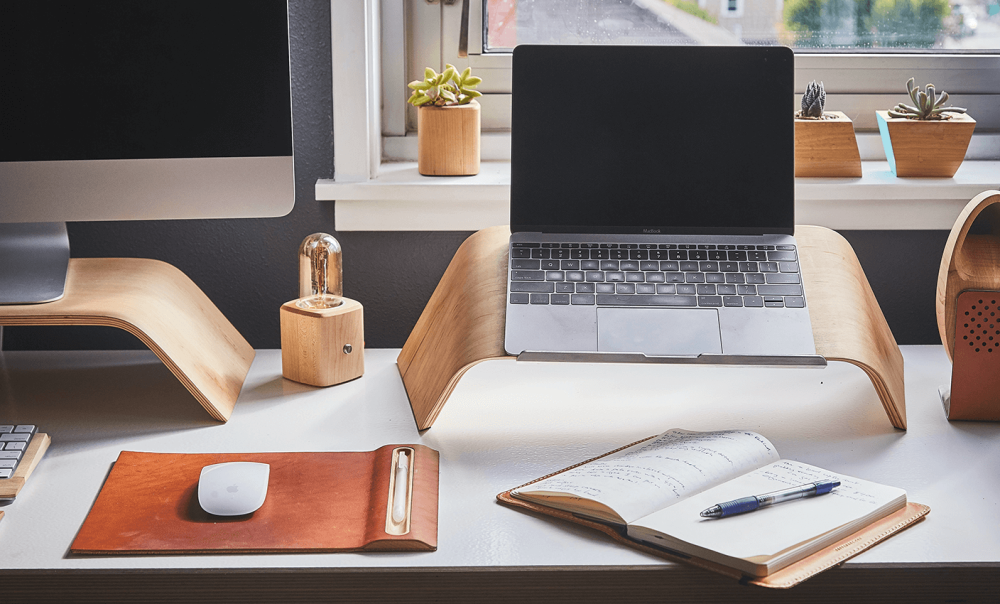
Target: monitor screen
(121, 109)
(652, 139)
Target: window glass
(879, 25)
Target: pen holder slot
(400, 502)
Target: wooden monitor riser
(463, 323)
(162, 307)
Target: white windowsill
(400, 199)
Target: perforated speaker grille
(975, 376)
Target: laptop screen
(652, 139)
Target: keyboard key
(689, 266)
(549, 265)
(647, 246)
(748, 267)
(15, 437)
(599, 254)
(638, 255)
(678, 255)
(24, 429)
(717, 255)
(694, 277)
(6, 429)
(665, 288)
(783, 278)
(786, 247)
(649, 265)
(733, 256)
(765, 247)
(629, 246)
(727, 247)
(735, 278)
(561, 299)
(732, 301)
(687, 246)
(526, 245)
(527, 276)
(555, 276)
(710, 301)
(618, 254)
(674, 277)
(779, 290)
(781, 256)
(774, 303)
(635, 277)
(706, 247)
(795, 302)
(706, 289)
(5, 473)
(575, 276)
(645, 288)
(658, 255)
(590, 265)
(520, 253)
(729, 267)
(654, 277)
(571, 245)
(757, 256)
(629, 265)
(670, 265)
(753, 301)
(686, 288)
(10, 454)
(582, 299)
(646, 300)
(746, 290)
(768, 267)
(756, 277)
(615, 276)
(550, 245)
(625, 288)
(708, 267)
(667, 246)
(788, 267)
(560, 254)
(595, 276)
(579, 254)
(698, 255)
(605, 288)
(715, 278)
(7, 463)
(539, 298)
(534, 287)
(584, 288)
(569, 265)
(729, 290)
(565, 288)
(744, 247)
(15, 446)
(525, 264)
(519, 298)
(609, 265)
(540, 253)
(608, 246)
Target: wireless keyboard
(14, 440)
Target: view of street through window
(869, 25)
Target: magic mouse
(233, 489)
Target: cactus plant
(813, 100)
(446, 88)
(927, 105)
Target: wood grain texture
(316, 502)
(827, 148)
(968, 262)
(162, 307)
(463, 323)
(10, 487)
(448, 140)
(313, 342)
(928, 148)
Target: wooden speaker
(322, 340)
(968, 291)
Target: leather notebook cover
(316, 502)
(787, 577)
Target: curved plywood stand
(162, 307)
(968, 262)
(463, 323)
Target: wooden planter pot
(925, 148)
(448, 140)
(827, 147)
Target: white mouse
(233, 489)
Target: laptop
(652, 206)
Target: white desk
(506, 423)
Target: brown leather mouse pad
(316, 502)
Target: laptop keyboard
(647, 274)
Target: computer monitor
(126, 110)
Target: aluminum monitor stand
(33, 261)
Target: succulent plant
(813, 100)
(927, 105)
(446, 88)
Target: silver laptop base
(704, 359)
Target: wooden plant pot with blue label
(925, 147)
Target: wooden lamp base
(322, 340)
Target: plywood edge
(10, 487)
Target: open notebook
(652, 492)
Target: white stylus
(399, 494)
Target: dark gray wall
(248, 267)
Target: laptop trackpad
(659, 331)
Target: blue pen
(755, 502)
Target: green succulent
(927, 105)
(446, 88)
(813, 100)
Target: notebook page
(768, 531)
(659, 472)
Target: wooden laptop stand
(161, 306)
(463, 323)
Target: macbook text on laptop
(652, 206)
